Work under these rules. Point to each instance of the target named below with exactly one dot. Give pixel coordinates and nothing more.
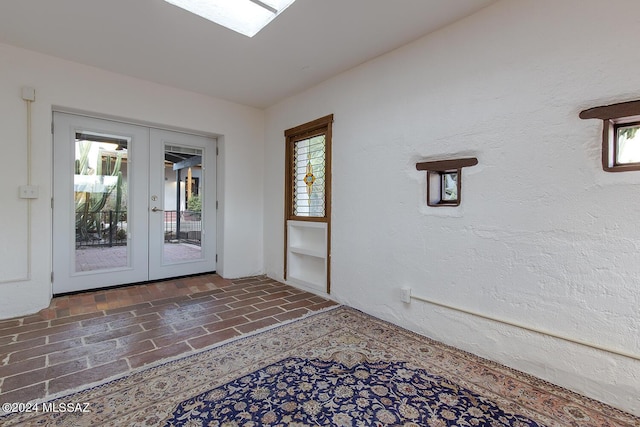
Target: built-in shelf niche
(307, 254)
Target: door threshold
(125, 285)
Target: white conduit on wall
(29, 168)
(531, 329)
(27, 276)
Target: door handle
(154, 209)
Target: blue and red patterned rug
(337, 368)
(312, 392)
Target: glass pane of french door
(100, 184)
(182, 204)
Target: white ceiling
(310, 42)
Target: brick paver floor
(88, 337)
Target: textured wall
(543, 237)
(73, 86)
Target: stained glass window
(308, 180)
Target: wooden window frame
(614, 149)
(439, 198)
(613, 117)
(321, 126)
(437, 169)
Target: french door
(130, 203)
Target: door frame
(218, 185)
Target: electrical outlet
(405, 295)
(28, 191)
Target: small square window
(620, 136)
(444, 180)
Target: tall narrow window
(308, 180)
(308, 162)
(308, 205)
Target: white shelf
(310, 252)
(307, 252)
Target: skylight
(243, 16)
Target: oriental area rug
(336, 368)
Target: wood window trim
(612, 111)
(320, 126)
(446, 165)
(308, 130)
(442, 167)
(314, 125)
(614, 116)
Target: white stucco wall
(543, 237)
(72, 86)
